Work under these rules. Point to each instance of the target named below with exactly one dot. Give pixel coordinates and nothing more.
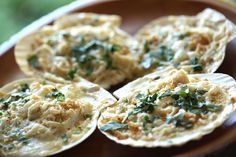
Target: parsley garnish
(21, 95)
(157, 77)
(192, 101)
(64, 138)
(148, 120)
(86, 60)
(111, 126)
(23, 140)
(195, 65)
(146, 46)
(33, 61)
(183, 98)
(179, 121)
(161, 56)
(56, 94)
(87, 116)
(164, 54)
(71, 73)
(24, 87)
(145, 103)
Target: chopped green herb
(197, 68)
(71, 73)
(146, 120)
(87, 116)
(114, 48)
(24, 87)
(157, 77)
(15, 132)
(64, 138)
(176, 65)
(51, 42)
(145, 103)
(85, 59)
(113, 126)
(146, 46)
(66, 35)
(195, 65)
(44, 82)
(89, 71)
(180, 35)
(20, 95)
(108, 60)
(9, 147)
(24, 101)
(23, 140)
(164, 54)
(192, 101)
(165, 94)
(33, 61)
(201, 91)
(147, 62)
(56, 94)
(179, 121)
(161, 56)
(126, 100)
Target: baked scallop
(104, 55)
(41, 118)
(194, 43)
(82, 19)
(169, 110)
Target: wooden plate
(135, 14)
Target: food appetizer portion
(102, 54)
(41, 118)
(194, 43)
(169, 110)
(82, 19)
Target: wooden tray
(136, 13)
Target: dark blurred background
(15, 14)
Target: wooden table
(97, 144)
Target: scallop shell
(216, 78)
(127, 63)
(81, 19)
(224, 29)
(88, 93)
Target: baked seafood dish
(41, 118)
(193, 43)
(168, 110)
(102, 54)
